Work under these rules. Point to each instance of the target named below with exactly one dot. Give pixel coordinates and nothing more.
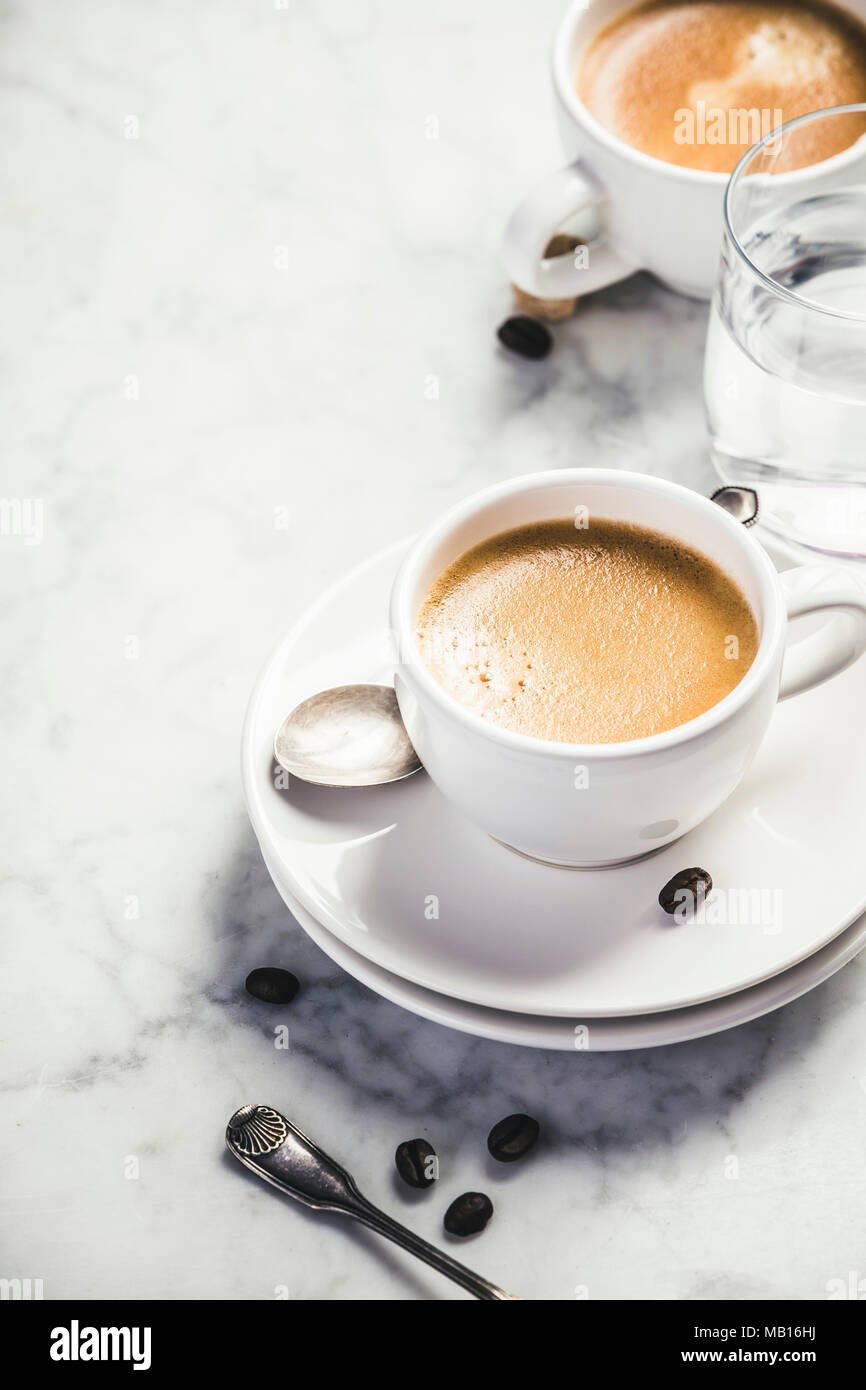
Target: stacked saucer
(412, 899)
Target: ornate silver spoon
(270, 1145)
(351, 736)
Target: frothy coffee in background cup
(697, 82)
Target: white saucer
(376, 866)
(594, 1035)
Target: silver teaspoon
(351, 736)
(271, 1146)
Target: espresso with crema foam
(596, 635)
(696, 82)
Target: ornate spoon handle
(271, 1146)
(377, 1220)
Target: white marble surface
(166, 387)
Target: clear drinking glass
(785, 367)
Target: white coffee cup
(593, 805)
(636, 211)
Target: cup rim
(564, 84)
(411, 661)
(781, 291)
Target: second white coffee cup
(635, 211)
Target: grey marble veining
(247, 338)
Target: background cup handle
(814, 589)
(537, 218)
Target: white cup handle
(814, 589)
(537, 218)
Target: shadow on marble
(387, 1058)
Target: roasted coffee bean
(697, 882)
(417, 1163)
(526, 336)
(468, 1214)
(272, 985)
(512, 1138)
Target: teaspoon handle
(377, 1220)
